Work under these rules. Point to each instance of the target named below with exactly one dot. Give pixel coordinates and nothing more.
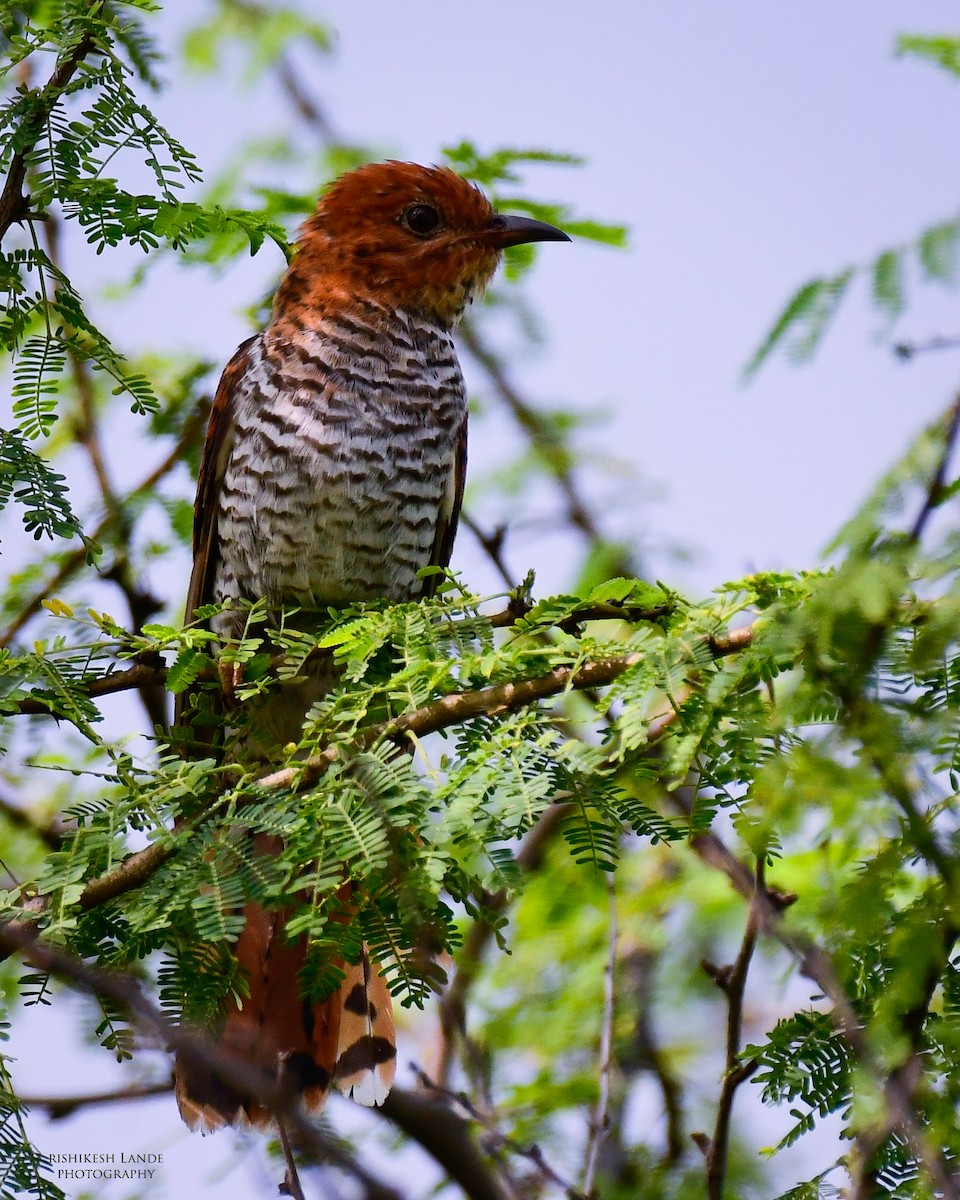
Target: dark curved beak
(515, 231)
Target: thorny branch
(150, 670)
(440, 714)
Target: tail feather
(347, 1039)
(367, 1043)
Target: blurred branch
(446, 1137)
(194, 1051)
(492, 545)
(814, 963)
(732, 981)
(50, 833)
(538, 429)
(599, 1123)
(59, 1107)
(141, 603)
(908, 350)
(452, 1008)
(306, 106)
(637, 970)
(496, 1140)
(935, 488)
(72, 562)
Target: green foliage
(942, 50)
(930, 257)
(23, 1171)
(26, 478)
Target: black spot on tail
(365, 1054)
(301, 1072)
(357, 1002)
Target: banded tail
(346, 1040)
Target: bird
(333, 473)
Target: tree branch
(600, 1122)
(732, 981)
(431, 718)
(72, 562)
(59, 1107)
(192, 1049)
(13, 204)
(496, 1140)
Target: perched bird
(333, 472)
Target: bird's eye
(422, 219)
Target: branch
(72, 562)
(13, 204)
(145, 673)
(600, 1122)
(150, 669)
(141, 603)
(50, 833)
(496, 1140)
(446, 1137)
(542, 436)
(492, 546)
(192, 1049)
(768, 907)
(450, 710)
(732, 981)
(452, 1006)
(59, 1107)
(935, 488)
(431, 718)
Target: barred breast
(342, 464)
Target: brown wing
(449, 515)
(216, 448)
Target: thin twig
(492, 546)
(599, 1124)
(291, 1181)
(732, 981)
(543, 437)
(908, 350)
(935, 487)
(497, 1140)
(58, 1107)
(452, 1007)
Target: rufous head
(416, 238)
